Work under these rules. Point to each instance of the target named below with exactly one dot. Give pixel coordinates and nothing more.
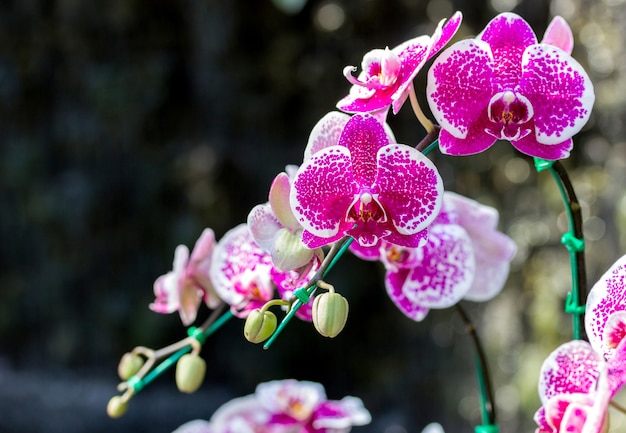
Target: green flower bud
(190, 371)
(116, 406)
(129, 365)
(289, 252)
(330, 312)
(259, 325)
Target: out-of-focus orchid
(505, 85)
(275, 229)
(387, 75)
(367, 188)
(466, 257)
(240, 271)
(188, 284)
(578, 379)
(286, 406)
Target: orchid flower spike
(365, 187)
(387, 75)
(504, 85)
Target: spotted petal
(410, 188)
(606, 297)
(240, 271)
(322, 192)
(508, 35)
(446, 271)
(458, 104)
(394, 283)
(326, 132)
(559, 90)
(571, 368)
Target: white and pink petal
(571, 368)
(322, 192)
(559, 90)
(457, 104)
(410, 188)
(326, 132)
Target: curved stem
(488, 409)
(425, 121)
(574, 242)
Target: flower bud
(129, 365)
(116, 406)
(259, 325)
(288, 251)
(190, 370)
(330, 312)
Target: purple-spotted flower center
(509, 111)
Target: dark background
(127, 126)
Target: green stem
(201, 333)
(574, 242)
(303, 294)
(488, 410)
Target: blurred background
(128, 126)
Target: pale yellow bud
(260, 325)
(330, 312)
(116, 407)
(129, 365)
(190, 371)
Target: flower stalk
(573, 241)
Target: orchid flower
(466, 257)
(505, 85)
(387, 75)
(579, 378)
(240, 271)
(286, 406)
(188, 284)
(365, 187)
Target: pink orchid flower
(579, 379)
(285, 406)
(505, 85)
(387, 75)
(466, 257)
(185, 287)
(365, 187)
(240, 271)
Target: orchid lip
(347, 72)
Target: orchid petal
(559, 34)
(443, 33)
(530, 146)
(240, 270)
(456, 104)
(263, 226)
(605, 298)
(322, 192)
(560, 91)
(571, 368)
(410, 188)
(394, 282)
(475, 142)
(326, 132)
(363, 135)
(279, 202)
(508, 35)
(446, 270)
